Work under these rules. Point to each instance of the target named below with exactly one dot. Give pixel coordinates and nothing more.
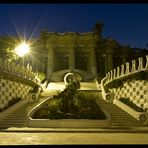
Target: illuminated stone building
(86, 53)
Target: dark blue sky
(126, 23)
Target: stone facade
(83, 51)
(135, 90)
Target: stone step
(128, 125)
(12, 125)
(18, 118)
(7, 123)
(10, 120)
(14, 119)
(13, 116)
(119, 117)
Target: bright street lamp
(22, 49)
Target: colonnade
(92, 60)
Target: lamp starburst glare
(22, 49)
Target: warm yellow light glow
(22, 49)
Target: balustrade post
(107, 77)
(140, 63)
(118, 72)
(12, 67)
(30, 68)
(114, 73)
(127, 68)
(111, 75)
(133, 66)
(122, 70)
(146, 66)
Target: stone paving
(56, 138)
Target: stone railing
(125, 70)
(122, 82)
(17, 81)
(18, 70)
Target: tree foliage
(7, 45)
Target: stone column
(110, 61)
(105, 60)
(72, 58)
(50, 64)
(104, 65)
(93, 67)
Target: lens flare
(22, 49)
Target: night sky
(126, 23)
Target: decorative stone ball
(142, 118)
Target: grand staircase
(18, 117)
(119, 117)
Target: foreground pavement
(112, 129)
(56, 138)
(66, 136)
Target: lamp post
(21, 50)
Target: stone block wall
(135, 90)
(134, 77)
(15, 81)
(11, 89)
